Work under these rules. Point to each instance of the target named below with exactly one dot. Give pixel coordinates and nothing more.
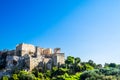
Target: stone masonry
(29, 56)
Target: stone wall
(57, 50)
(23, 49)
(12, 61)
(58, 58)
(47, 51)
(48, 62)
(11, 52)
(29, 56)
(34, 62)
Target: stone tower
(57, 50)
(58, 57)
(23, 49)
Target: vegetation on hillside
(73, 69)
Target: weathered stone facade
(58, 58)
(30, 56)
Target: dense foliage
(73, 69)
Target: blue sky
(89, 29)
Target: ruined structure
(28, 56)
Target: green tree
(112, 65)
(69, 61)
(48, 73)
(5, 78)
(41, 76)
(91, 62)
(15, 77)
(77, 60)
(24, 75)
(106, 65)
(54, 71)
(99, 66)
(45, 67)
(30, 76)
(76, 64)
(88, 67)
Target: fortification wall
(23, 49)
(34, 62)
(58, 58)
(47, 51)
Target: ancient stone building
(58, 58)
(29, 56)
(23, 49)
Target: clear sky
(89, 29)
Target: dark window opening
(19, 53)
(14, 62)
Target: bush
(15, 77)
(5, 78)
